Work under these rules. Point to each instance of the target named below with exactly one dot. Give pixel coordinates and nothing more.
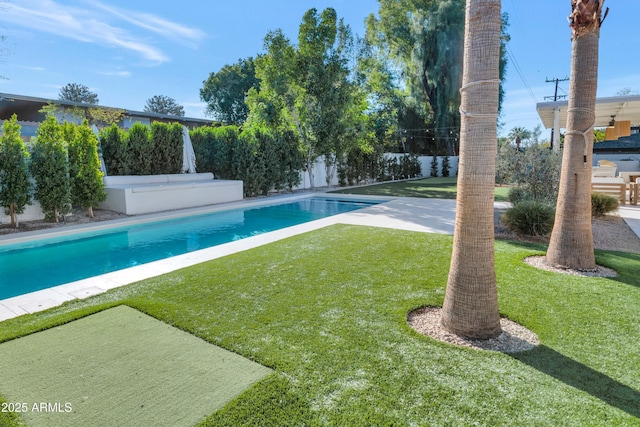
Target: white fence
(320, 174)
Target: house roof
(27, 108)
(622, 107)
(624, 144)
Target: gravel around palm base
(513, 339)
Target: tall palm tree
(471, 300)
(518, 134)
(571, 243)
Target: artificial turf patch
(120, 367)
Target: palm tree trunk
(571, 243)
(471, 300)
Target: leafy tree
(225, 91)
(103, 116)
(307, 88)
(424, 42)
(164, 105)
(50, 169)
(15, 187)
(571, 244)
(77, 93)
(87, 187)
(470, 306)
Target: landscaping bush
(530, 218)
(535, 168)
(445, 166)
(518, 194)
(167, 145)
(15, 187)
(141, 148)
(602, 204)
(434, 166)
(115, 150)
(87, 187)
(50, 169)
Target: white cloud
(92, 25)
(116, 73)
(154, 24)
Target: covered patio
(620, 116)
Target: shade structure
(188, 155)
(620, 108)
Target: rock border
(514, 338)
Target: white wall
(425, 168)
(623, 165)
(32, 213)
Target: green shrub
(518, 194)
(530, 218)
(445, 166)
(15, 187)
(50, 169)
(115, 150)
(87, 188)
(535, 168)
(434, 166)
(141, 150)
(602, 204)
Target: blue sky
(127, 51)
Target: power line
(520, 73)
(555, 96)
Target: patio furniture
(629, 177)
(135, 195)
(612, 186)
(634, 189)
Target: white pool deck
(413, 214)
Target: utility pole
(555, 97)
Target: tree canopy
(76, 92)
(225, 92)
(307, 88)
(162, 104)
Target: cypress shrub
(167, 141)
(115, 150)
(248, 164)
(445, 166)
(87, 187)
(50, 169)
(203, 146)
(434, 166)
(15, 187)
(141, 149)
(225, 138)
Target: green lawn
(436, 188)
(327, 311)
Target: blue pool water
(31, 266)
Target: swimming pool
(41, 264)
